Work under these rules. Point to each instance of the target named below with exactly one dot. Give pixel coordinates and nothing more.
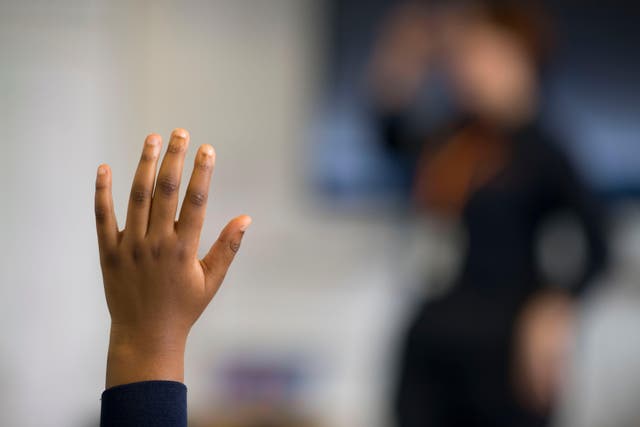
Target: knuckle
(177, 146)
(197, 198)
(155, 250)
(181, 253)
(137, 252)
(204, 163)
(167, 185)
(101, 214)
(110, 259)
(148, 156)
(140, 195)
(234, 246)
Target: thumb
(217, 261)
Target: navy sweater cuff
(145, 404)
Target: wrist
(143, 356)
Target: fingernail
(180, 133)
(246, 224)
(208, 150)
(102, 170)
(153, 139)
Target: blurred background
(438, 188)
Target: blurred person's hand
(543, 337)
(155, 285)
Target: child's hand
(155, 285)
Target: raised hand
(155, 285)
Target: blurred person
(491, 351)
(155, 285)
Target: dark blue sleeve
(145, 404)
